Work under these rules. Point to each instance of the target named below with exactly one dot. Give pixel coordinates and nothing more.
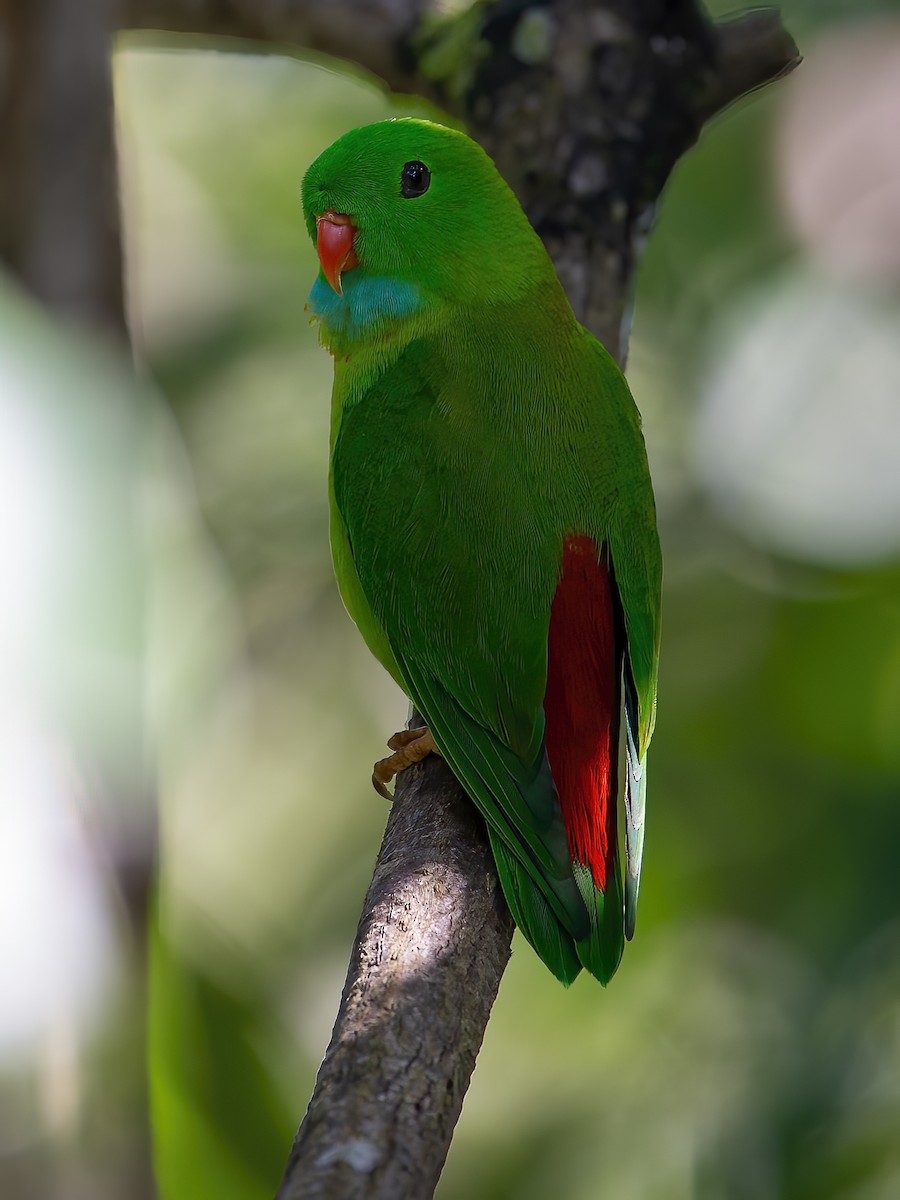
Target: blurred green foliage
(750, 1044)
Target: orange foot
(409, 746)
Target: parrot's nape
(492, 519)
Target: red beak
(334, 242)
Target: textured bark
(432, 944)
(586, 108)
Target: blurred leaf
(221, 1127)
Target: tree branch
(432, 944)
(372, 33)
(751, 50)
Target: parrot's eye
(414, 180)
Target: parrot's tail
(533, 914)
(601, 952)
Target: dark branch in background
(373, 33)
(59, 221)
(586, 105)
(751, 50)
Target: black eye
(414, 180)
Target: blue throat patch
(367, 306)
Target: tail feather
(601, 952)
(533, 914)
(635, 805)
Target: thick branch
(432, 944)
(751, 50)
(373, 33)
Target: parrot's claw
(405, 736)
(409, 746)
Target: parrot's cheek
(334, 242)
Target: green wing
(460, 583)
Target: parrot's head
(409, 216)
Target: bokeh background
(170, 633)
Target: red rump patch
(582, 703)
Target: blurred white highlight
(56, 939)
(64, 429)
(797, 436)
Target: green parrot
(493, 526)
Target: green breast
(354, 597)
